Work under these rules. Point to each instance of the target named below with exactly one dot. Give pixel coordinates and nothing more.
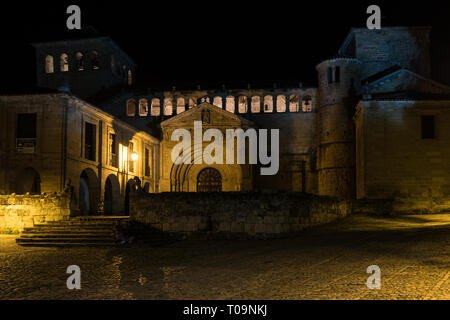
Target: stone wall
(396, 163)
(235, 215)
(22, 211)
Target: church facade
(375, 127)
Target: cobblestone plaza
(326, 262)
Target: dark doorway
(209, 180)
(88, 193)
(112, 199)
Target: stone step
(66, 235)
(70, 228)
(75, 223)
(66, 244)
(82, 231)
(67, 240)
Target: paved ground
(327, 262)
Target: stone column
(274, 100)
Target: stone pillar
(161, 107)
(288, 103)
(274, 99)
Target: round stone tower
(339, 85)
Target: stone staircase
(95, 231)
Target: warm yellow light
(134, 156)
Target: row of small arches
(80, 64)
(293, 103)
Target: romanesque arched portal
(209, 180)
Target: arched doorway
(209, 180)
(88, 192)
(131, 186)
(28, 180)
(112, 196)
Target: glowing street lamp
(134, 156)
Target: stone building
(374, 128)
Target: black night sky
(213, 42)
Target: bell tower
(83, 66)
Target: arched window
(281, 103)
(155, 107)
(307, 104)
(205, 99)
(168, 106)
(293, 103)
(230, 104)
(79, 58)
(192, 103)
(209, 180)
(49, 68)
(242, 104)
(95, 61)
(181, 105)
(256, 104)
(130, 78)
(131, 108)
(268, 104)
(218, 102)
(143, 107)
(64, 62)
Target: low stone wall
(234, 215)
(22, 211)
(421, 205)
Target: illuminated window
(181, 105)
(143, 107)
(218, 102)
(64, 62)
(293, 103)
(49, 68)
(131, 108)
(256, 104)
(168, 106)
(281, 103)
(268, 104)
(155, 107)
(307, 104)
(242, 104)
(230, 104)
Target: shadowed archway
(88, 193)
(209, 180)
(112, 196)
